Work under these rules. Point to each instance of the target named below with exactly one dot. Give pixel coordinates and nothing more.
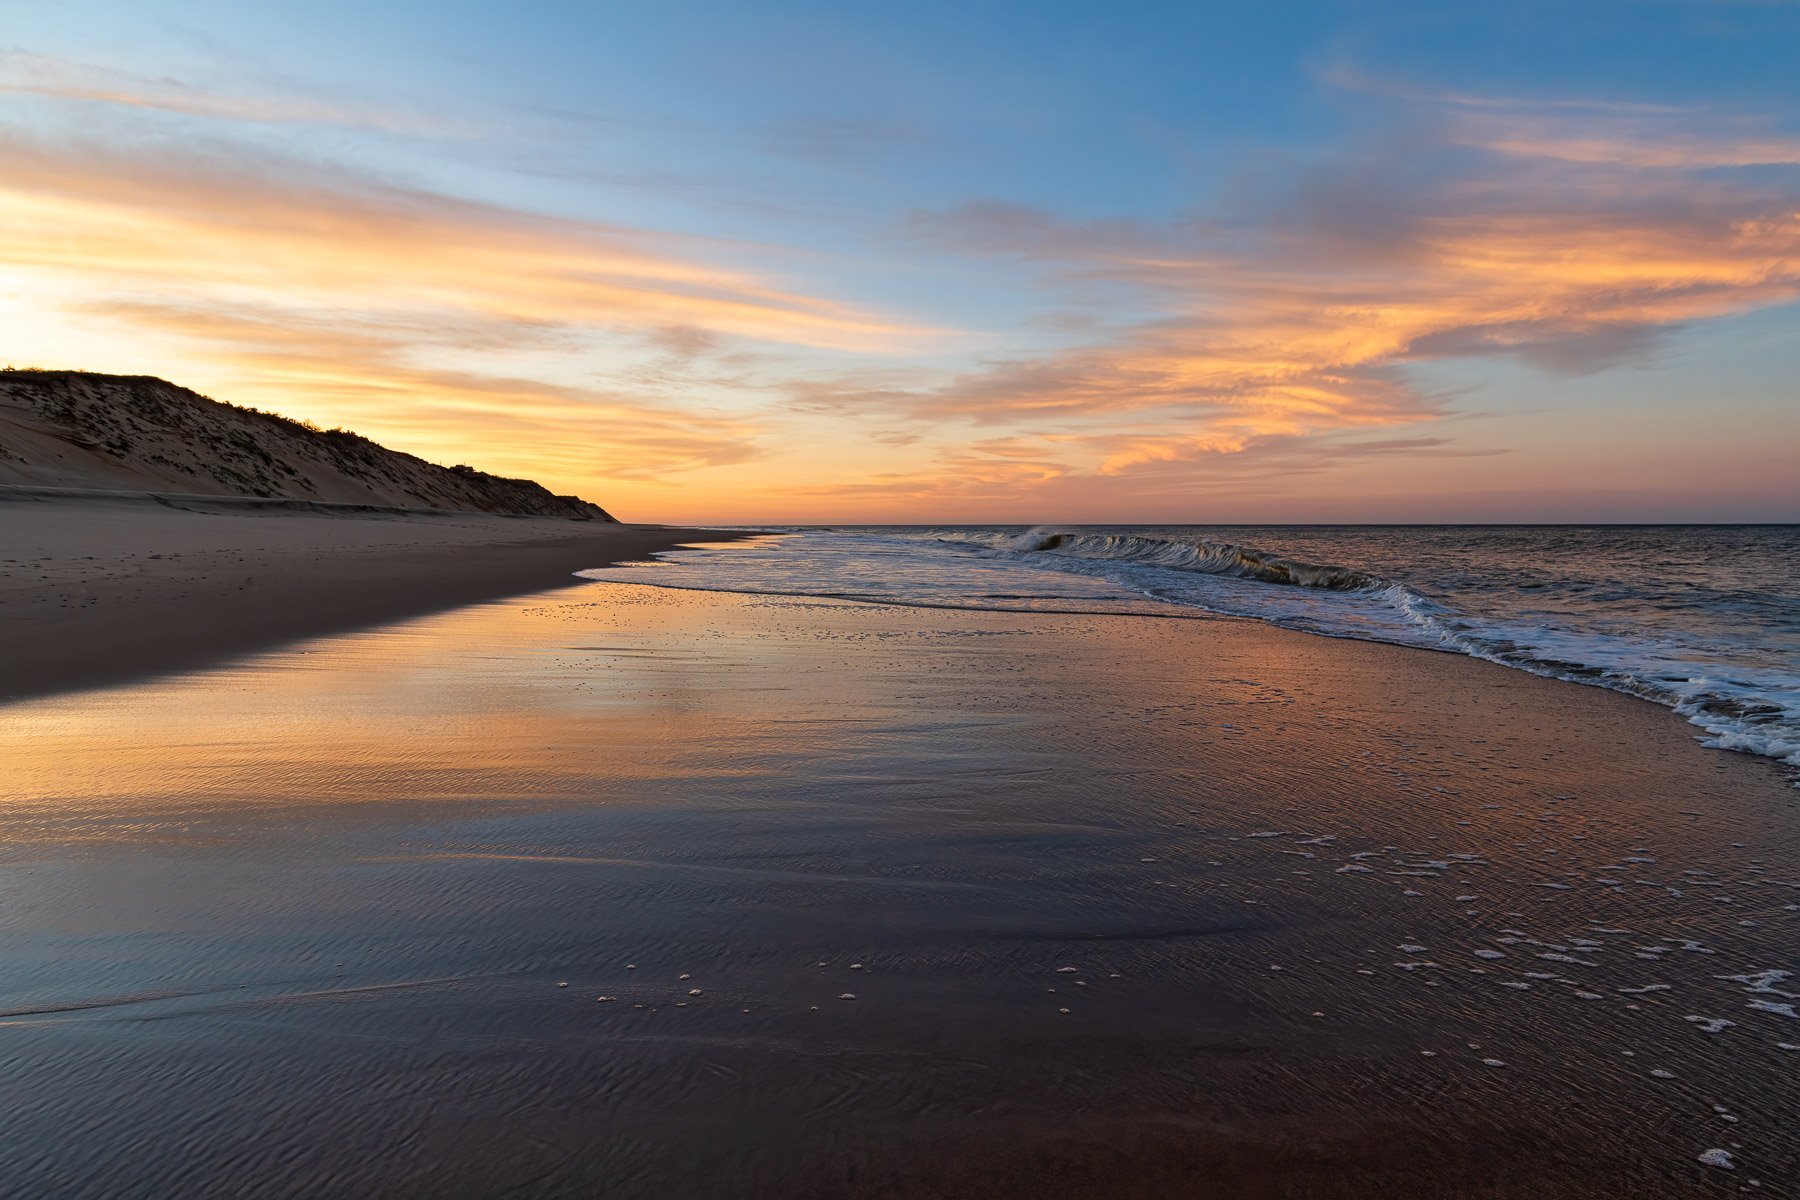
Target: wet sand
(854, 900)
(97, 589)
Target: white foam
(1763, 983)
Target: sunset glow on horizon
(1311, 263)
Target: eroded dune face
(75, 429)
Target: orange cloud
(1587, 130)
(458, 330)
(365, 376)
(1303, 328)
(1279, 338)
(190, 221)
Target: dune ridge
(133, 433)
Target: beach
(616, 888)
(96, 588)
(1217, 614)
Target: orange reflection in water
(586, 695)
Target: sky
(946, 262)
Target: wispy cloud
(382, 376)
(1584, 129)
(1568, 236)
(193, 218)
(1282, 333)
(451, 326)
(838, 141)
(24, 73)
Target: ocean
(1702, 619)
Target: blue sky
(947, 261)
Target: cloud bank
(1568, 237)
(1297, 325)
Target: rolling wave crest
(1179, 554)
(1704, 620)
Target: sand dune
(77, 429)
(145, 528)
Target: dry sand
(861, 901)
(94, 590)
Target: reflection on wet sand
(663, 893)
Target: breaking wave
(1183, 554)
(1703, 620)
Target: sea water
(1703, 619)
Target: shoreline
(106, 589)
(751, 897)
(150, 608)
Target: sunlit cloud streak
(521, 424)
(320, 291)
(26, 74)
(1588, 130)
(231, 218)
(1310, 318)
(1283, 332)
(1014, 478)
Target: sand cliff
(77, 429)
